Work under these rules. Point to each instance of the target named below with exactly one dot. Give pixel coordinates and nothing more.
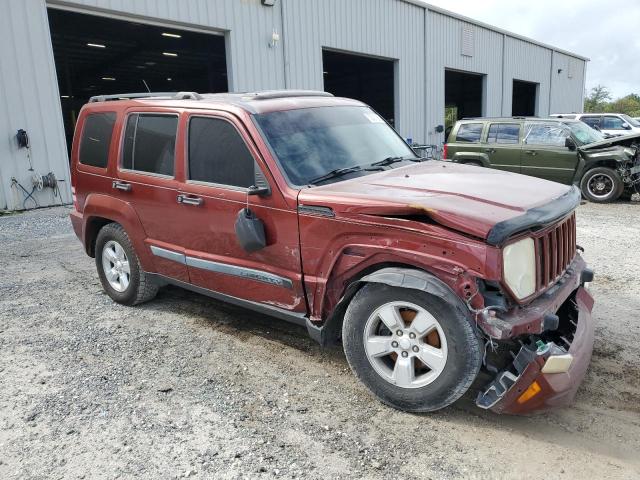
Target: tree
(597, 100)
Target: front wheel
(602, 185)
(414, 351)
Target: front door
(544, 153)
(221, 163)
(503, 146)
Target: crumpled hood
(465, 198)
(623, 140)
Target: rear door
(146, 178)
(544, 153)
(502, 146)
(221, 163)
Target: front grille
(555, 250)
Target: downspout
(502, 112)
(285, 59)
(550, 82)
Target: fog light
(530, 392)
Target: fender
(464, 157)
(104, 206)
(402, 277)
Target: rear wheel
(119, 269)
(414, 351)
(602, 185)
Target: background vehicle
(562, 150)
(312, 209)
(613, 124)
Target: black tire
(612, 184)
(464, 355)
(475, 164)
(141, 287)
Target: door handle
(124, 186)
(187, 200)
(531, 152)
(490, 150)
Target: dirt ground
(187, 387)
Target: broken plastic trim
(535, 218)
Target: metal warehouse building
(417, 65)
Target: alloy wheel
(116, 266)
(405, 344)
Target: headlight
(519, 264)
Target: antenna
(146, 86)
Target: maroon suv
(312, 209)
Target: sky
(605, 32)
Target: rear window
(96, 138)
(469, 132)
(503, 133)
(150, 143)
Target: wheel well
(612, 164)
(94, 225)
(333, 325)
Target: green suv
(562, 150)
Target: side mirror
(569, 143)
(250, 231)
(626, 126)
(255, 190)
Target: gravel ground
(185, 386)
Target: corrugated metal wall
(444, 51)
(382, 28)
(423, 43)
(29, 100)
(567, 83)
(528, 62)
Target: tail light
(444, 152)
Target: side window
(469, 132)
(218, 154)
(96, 138)
(150, 143)
(504, 133)
(612, 123)
(550, 134)
(591, 121)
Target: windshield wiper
(335, 173)
(392, 160)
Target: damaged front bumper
(556, 336)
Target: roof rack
(269, 94)
(514, 117)
(166, 95)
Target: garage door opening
(370, 80)
(95, 55)
(525, 99)
(463, 95)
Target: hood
(622, 141)
(468, 199)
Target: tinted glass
(591, 121)
(469, 132)
(310, 142)
(503, 133)
(631, 121)
(96, 138)
(612, 123)
(545, 134)
(217, 154)
(150, 143)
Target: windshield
(310, 143)
(584, 134)
(631, 121)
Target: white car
(612, 124)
